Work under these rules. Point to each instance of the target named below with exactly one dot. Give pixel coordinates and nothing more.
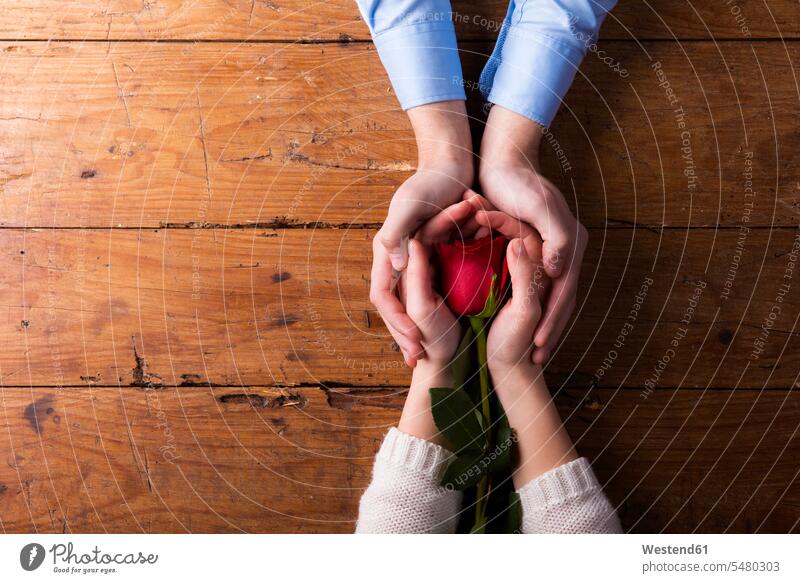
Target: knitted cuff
(559, 485)
(401, 450)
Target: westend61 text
(675, 550)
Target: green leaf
(514, 514)
(490, 307)
(479, 527)
(499, 458)
(453, 413)
(465, 471)
(462, 367)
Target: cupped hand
(421, 197)
(444, 171)
(510, 178)
(440, 332)
(508, 345)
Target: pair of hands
(511, 180)
(508, 343)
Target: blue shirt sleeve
(539, 49)
(416, 41)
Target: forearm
(416, 418)
(558, 491)
(442, 134)
(510, 139)
(542, 441)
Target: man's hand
(510, 179)
(444, 172)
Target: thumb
(524, 302)
(419, 288)
(397, 249)
(404, 218)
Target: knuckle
(375, 297)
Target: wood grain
(263, 460)
(155, 134)
(290, 307)
(188, 191)
(340, 20)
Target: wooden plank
(260, 307)
(171, 134)
(691, 461)
(339, 19)
(257, 460)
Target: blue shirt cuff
(422, 62)
(535, 73)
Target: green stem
(479, 326)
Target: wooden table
(188, 191)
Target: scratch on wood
(108, 33)
(203, 140)
(143, 471)
(11, 177)
(292, 155)
(267, 156)
(121, 94)
(26, 492)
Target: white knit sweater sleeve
(565, 500)
(405, 495)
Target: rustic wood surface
(338, 20)
(253, 459)
(290, 307)
(188, 191)
(154, 134)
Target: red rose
(467, 270)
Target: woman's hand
(509, 346)
(542, 441)
(511, 180)
(444, 172)
(440, 332)
(440, 335)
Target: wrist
(442, 133)
(510, 139)
(417, 418)
(431, 373)
(510, 381)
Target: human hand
(511, 180)
(542, 441)
(440, 332)
(445, 171)
(508, 346)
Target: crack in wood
(257, 401)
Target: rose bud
(468, 271)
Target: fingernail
(398, 261)
(520, 248)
